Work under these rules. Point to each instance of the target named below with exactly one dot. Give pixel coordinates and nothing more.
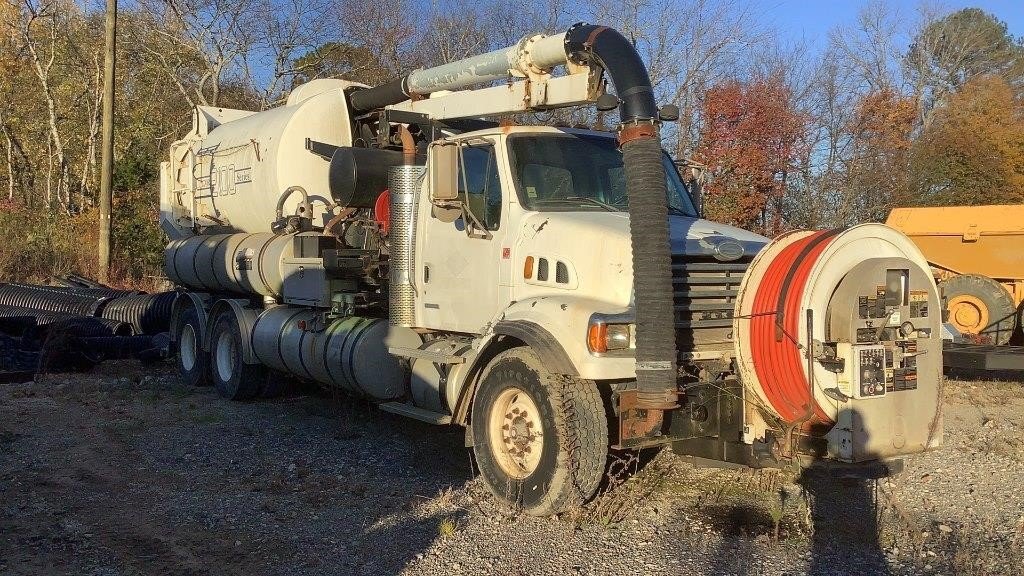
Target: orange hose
(779, 362)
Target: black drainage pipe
(50, 299)
(147, 313)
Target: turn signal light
(597, 338)
(528, 268)
(604, 337)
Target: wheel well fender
(243, 316)
(543, 343)
(199, 301)
(506, 335)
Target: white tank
(234, 165)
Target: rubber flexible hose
(777, 355)
(652, 273)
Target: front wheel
(541, 441)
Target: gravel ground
(126, 472)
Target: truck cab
(538, 233)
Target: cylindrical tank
(350, 354)
(403, 182)
(434, 386)
(234, 172)
(240, 263)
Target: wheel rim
(187, 348)
(225, 356)
(968, 313)
(516, 434)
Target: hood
(595, 246)
(687, 235)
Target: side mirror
(444, 171)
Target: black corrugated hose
(147, 313)
(50, 299)
(17, 321)
(648, 207)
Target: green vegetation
(896, 109)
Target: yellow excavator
(977, 257)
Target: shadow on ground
(113, 475)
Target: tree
(750, 140)
(946, 53)
(337, 60)
(876, 176)
(973, 150)
(688, 47)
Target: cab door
(462, 257)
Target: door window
(479, 186)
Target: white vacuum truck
(555, 291)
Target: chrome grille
(705, 293)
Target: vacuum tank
(232, 169)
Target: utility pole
(107, 167)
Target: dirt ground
(125, 471)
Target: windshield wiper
(589, 200)
(578, 200)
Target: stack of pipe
(118, 312)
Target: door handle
(426, 274)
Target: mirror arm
(474, 229)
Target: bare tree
(455, 31)
(47, 18)
(688, 47)
(283, 30)
(870, 49)
(217, 34)
(383, 28)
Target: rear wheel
(233, 378)
(541, 442)
(191, 361)
(980, 306)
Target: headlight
(602, 337)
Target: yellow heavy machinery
(977, 257)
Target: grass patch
(448, 527)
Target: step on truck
(554, 291)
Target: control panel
(877, 344)
(870, 371)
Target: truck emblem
(728, 250)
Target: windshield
(580, 172)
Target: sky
(810, 20)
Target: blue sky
(811, 20)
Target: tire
(190, 359)
(980, 306)
(233, 378)
(564, 466)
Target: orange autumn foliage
(973, 150)
(750, 139)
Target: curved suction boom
(604, 48)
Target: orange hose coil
(779, 362)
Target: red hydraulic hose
(775, 352)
